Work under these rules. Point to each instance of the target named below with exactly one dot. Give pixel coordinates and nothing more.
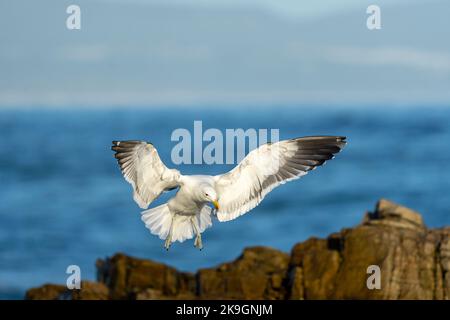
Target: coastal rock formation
(89, 291)
(45, 292)
(131, 278)
(414, 263)
(259, 273)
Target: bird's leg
(169, 237)
(198, 239)
(168, 242)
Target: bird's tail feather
(159, 220)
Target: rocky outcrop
(131, 278)
(413, 262)
(259, 273)
(89, 291)
(45, 292)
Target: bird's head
(210, 195)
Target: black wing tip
(129, 142)
(318, 138)
(126, 144)
(342, 141)
(123, 148)
(338, 141)
(118, 142)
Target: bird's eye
(206, 194)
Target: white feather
(159, 220)
(237, 191)
(267, 167)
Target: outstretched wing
(265, 168)
(143, 169)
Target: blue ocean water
(63, 200)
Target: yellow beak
(216, 204)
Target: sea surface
(64, 202)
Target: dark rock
(128, 277)
(258, 273)
(45, 292)
(414, 263)
(389, 213)
(88, 291)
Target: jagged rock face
(131, 278)
(90, 291)
(258, 273)
(45, 292)
(414, 263)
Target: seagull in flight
(226, 196)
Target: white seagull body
(232, 194)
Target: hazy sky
(246, 52)
(288, 8)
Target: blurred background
(141, 69)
